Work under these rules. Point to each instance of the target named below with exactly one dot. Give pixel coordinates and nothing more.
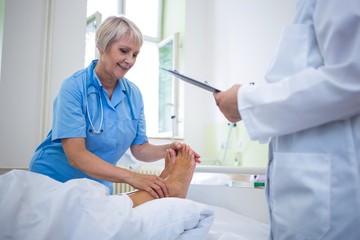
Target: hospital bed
(222, 203)
(236, 197)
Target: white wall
(23, 69)
(226, 42)
(2, 10)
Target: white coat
(310, 109)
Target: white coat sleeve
(318, 93)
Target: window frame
(176, 120)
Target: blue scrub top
(123, 123)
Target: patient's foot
(182, 172)
(170, 159)
(178, 173)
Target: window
(92, 23)
(96, 12)
(159, 90)
(168, 96)
(147, 17)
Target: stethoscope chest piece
(96, 131)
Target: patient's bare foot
(170, 159)
(182, 172)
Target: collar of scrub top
(94, 80)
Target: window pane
(146, 16)
(145, 74)
(90, 49)
(105, 8)
(96, 12)
(166, 103)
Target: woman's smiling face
(119, 57)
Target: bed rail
(235, 170)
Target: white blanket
(34, 206)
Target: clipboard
(192, 81)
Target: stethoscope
(92, 127)
(98, 94)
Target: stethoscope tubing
(92, 127)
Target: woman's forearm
(148, 152)
(80, 158)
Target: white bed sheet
(246, 204)
(229, 225)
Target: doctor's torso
(314, 128)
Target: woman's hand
(154, 185)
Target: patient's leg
(178, 180)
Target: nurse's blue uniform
(78, 102)
(310, 109)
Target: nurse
(309, 110)
(98, 114)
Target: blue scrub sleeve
(69, 118)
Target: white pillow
(175, 218)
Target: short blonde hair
(115, 28)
